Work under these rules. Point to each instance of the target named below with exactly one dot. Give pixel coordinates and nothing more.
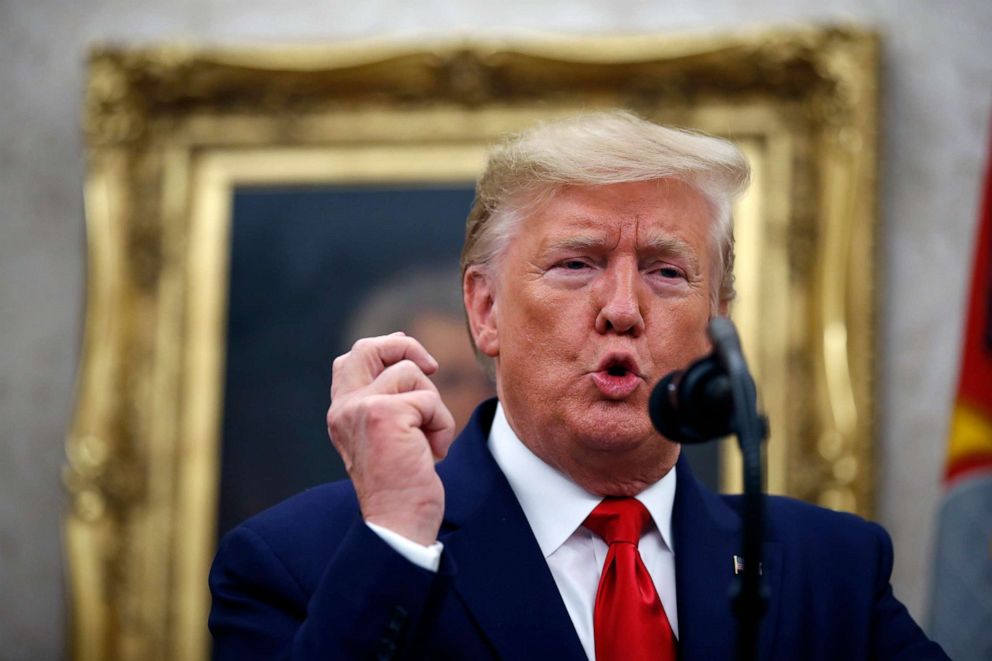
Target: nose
(619, 310)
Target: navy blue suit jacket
(309, 580)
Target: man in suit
(560, 525)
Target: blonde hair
(596, 149)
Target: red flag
(970, 443)
(961, 592)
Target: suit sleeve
(369, 602)
(895, 635)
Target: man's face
(601, 292)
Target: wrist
(413, 529)
(406, 512)
(425, 557)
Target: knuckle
(337, 422)
(363, 344)
(333, 417)
(375, 411)
(431, 398)
(404, 376)
(408, 368)
(356, 418)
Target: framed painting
(251, 211)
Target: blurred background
(936, 101)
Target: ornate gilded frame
(171, 130)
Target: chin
(612, 426)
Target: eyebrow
(577, 243)
(666, 245)
(671, 245)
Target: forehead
(646, 212)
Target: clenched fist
(389, 425)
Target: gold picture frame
(171, 131)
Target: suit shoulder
(789, 518)
(826, 537)
(805, 515)
(295, 538)
(314, 519)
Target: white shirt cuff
(425, 557)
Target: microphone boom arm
(749, 597)
(712, 398)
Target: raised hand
(389, 425)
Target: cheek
(537, 316)
(680, 333)
(541, 348)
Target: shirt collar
(554, 505)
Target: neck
(621, 476)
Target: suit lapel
(707, 535)
(503, 579)
(500, 575)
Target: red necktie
(629, 622)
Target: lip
(617, 387)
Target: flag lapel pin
(739, 566)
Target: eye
(669, 272)
(573, 265)
(572, 271)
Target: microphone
(713, 397)
(696, 404)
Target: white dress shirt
(555, 508)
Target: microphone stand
(749, 597)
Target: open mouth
(617, 377)
(617, 370)
(618, 365)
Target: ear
(480, 305)
(723, 308)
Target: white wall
(936, 112)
